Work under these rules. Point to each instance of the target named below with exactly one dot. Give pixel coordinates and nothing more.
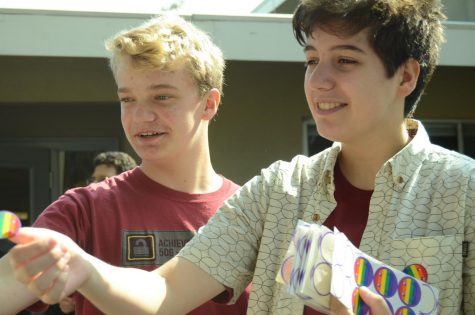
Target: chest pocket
(441, 256)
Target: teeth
(327, 106)
(148, 134)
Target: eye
(346, 61)
(125, 99)
(162, 97)
(310, 62)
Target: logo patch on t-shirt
(140, 247)
(152, 247)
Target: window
(312, 141)
(457, 135)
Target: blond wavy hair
(166, 43)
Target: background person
(110, 163)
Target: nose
(319, 77)
(145, 112)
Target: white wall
(266, 37)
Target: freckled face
(160, 111)
(347, 89)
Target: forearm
(176, 288)
(14, 295)
(118, 291)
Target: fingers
(49, 263)
(376, 302)
(27, 235)
(56, 292)
(29, 260)
(67, 305)
(42, 266)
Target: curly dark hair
(120, 160)
(399, 30)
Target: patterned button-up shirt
(422, 212)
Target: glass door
(24, 184)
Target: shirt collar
(326, 179)
(400, 166)
(404, 164)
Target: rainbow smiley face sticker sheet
(320, 261)
(403, 293)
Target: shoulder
(112, 184)
(301, 165)
(298, 172)
(448, 160)
(87, 195)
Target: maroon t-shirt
(130, 220)
(350, 215)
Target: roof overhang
(255, 37)
(268, 6)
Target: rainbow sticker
(409, 291)
(405, 311)
(417, 271)
(9, 224)
(363, 272)
(385, 282)
(359, 307)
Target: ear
(212, 98)
(409, 75)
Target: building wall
(260, 119)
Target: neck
(190, 171)
(360, 162)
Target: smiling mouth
(150, 134)
(330, 106)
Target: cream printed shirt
(422, 211)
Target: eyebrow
(337, 47)
(151, 87)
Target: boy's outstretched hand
(50, 264)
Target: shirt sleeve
(68, 215)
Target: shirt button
(400, 180)
(316, 217)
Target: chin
(326, 135)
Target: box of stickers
(321, 263)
